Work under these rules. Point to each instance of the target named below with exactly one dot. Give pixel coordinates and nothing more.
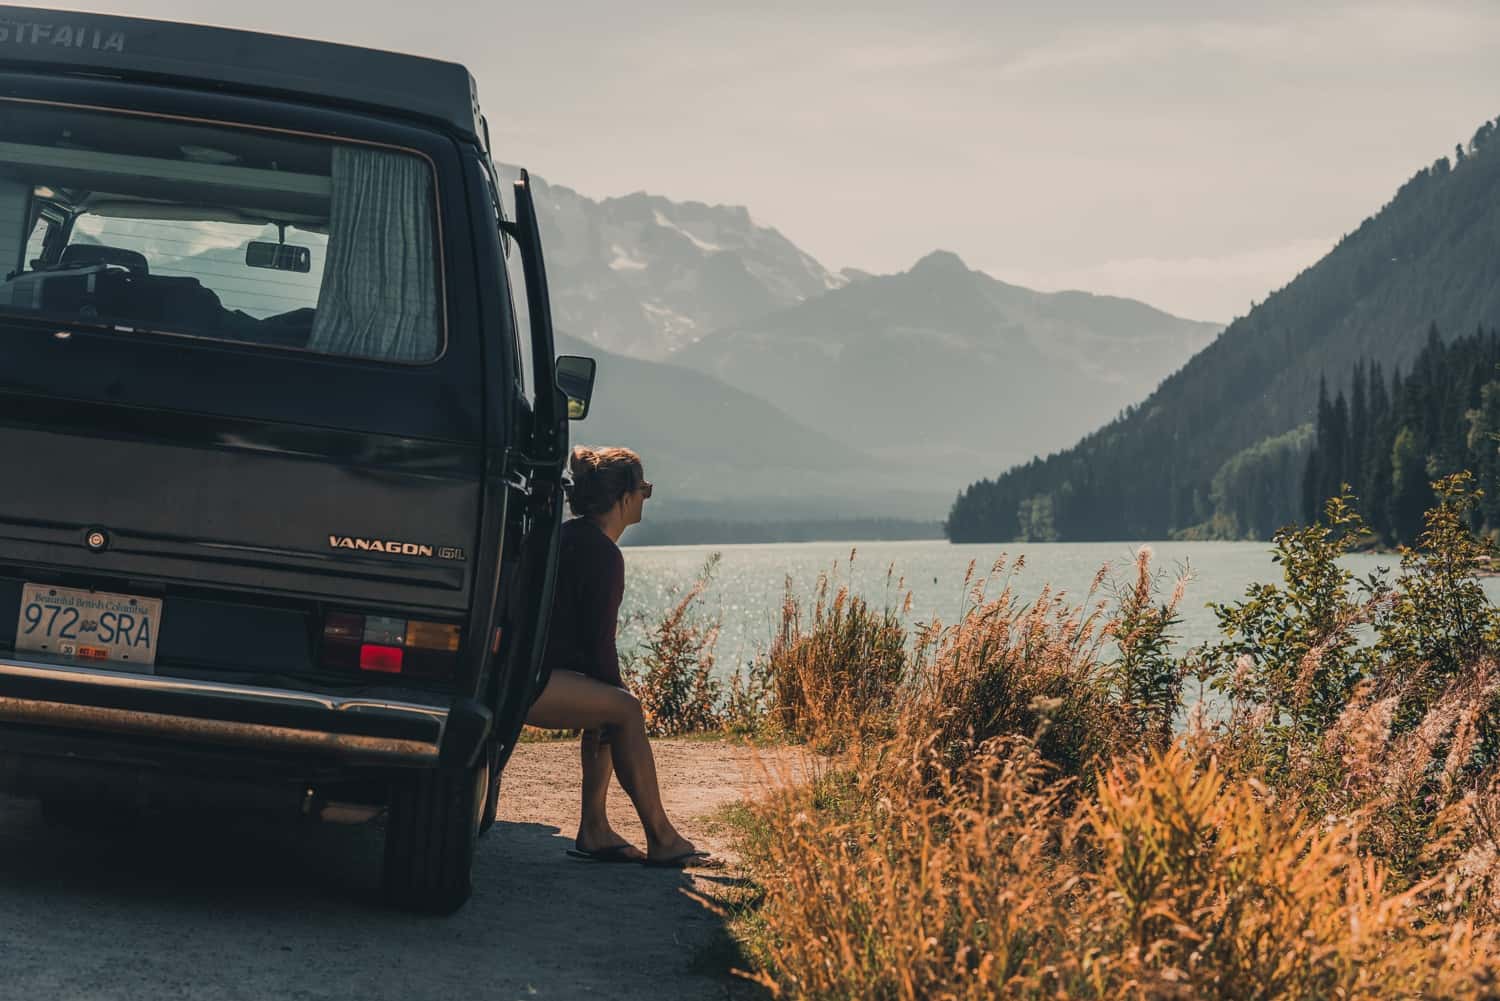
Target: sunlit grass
(1012, 814)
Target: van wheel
(492, 793)
(429, 838)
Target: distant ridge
(721, 455)
(942, 371)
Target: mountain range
(1238, 415)
(769, 387)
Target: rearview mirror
(279, 257)
(575, 377)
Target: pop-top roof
(32, 37)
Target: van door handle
(519, 483)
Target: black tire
(492, 794)
(429, 838)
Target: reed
(835, 669)
(1169, 880)
(1029, 810)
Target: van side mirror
(575, 377)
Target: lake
(747, 590)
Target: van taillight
(386, 645)
(385, 659)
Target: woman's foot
(671, 851)
(593, 841)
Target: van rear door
(238, 376)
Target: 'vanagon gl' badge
(394, 548)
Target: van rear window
(143, 224)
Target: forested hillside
(1219, 448)
(1389, 441)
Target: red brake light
(385, 659)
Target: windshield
(135, 223)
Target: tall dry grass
(1027, 821)
(1169, 880)
(1011, 667)
(835, 670)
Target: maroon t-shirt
(586, 606)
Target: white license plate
(89, 625)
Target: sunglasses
(645, 489)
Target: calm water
(747, 590)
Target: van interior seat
(82, 255)
(161, 301)
(134, 297)
(88, 277)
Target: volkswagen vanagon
(278, 511)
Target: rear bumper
(344, 729)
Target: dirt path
(149, 909)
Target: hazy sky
(1192, 154)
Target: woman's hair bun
(600, 477)
(583, 461)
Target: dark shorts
(597, 672)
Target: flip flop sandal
(687, 860)
(614, 853)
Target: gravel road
(145, 908)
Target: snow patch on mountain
(622, 261)
(701, 244)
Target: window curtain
(379, 295)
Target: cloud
(906, 53)
(1344, 34)
(1176, 151)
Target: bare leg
(594, 831)
(573, 701)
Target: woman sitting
(584, 689)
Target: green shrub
(1292, 651)
(1438, 619)
(673, 674)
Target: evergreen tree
(1375, 484)
(1315, 477)
(1337, 473)
(1312, 485)
(1443, 418)
(1410, 491)
(1359, 429)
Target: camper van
(279, 479)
